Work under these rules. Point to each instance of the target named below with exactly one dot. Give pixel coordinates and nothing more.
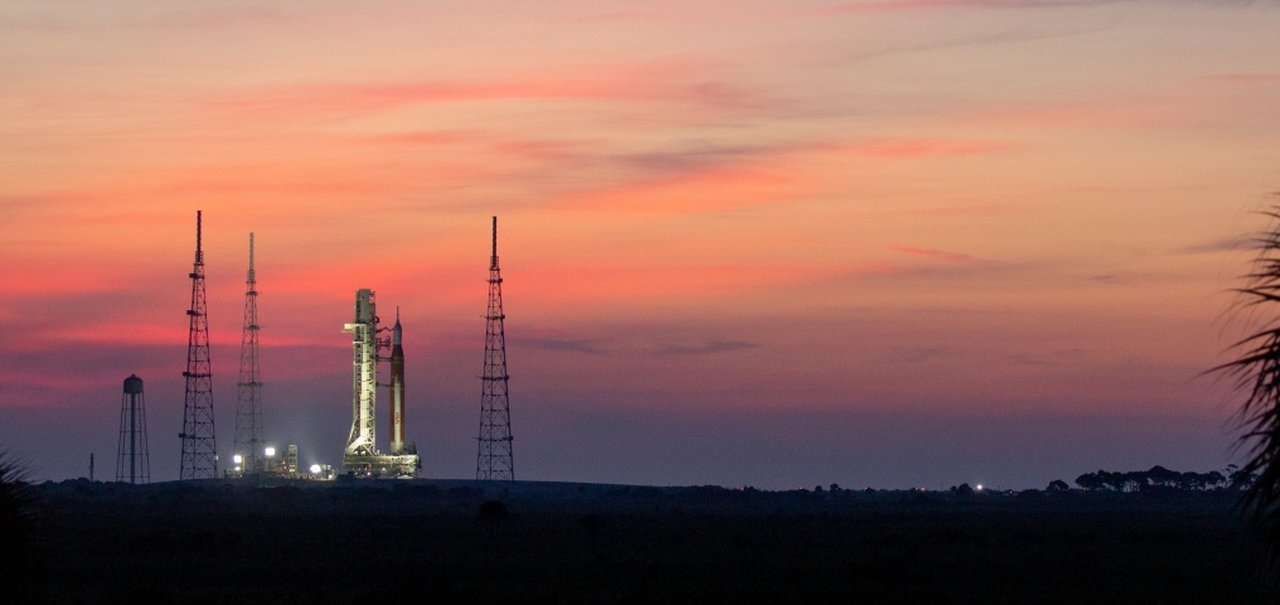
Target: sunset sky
(759, 242)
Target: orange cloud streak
(783, 175)
(909, 148)
(553, 286)
(703, 190)
(932, 253)
(673, 80)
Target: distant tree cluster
(1161, 478)
(961, 490)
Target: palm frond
(1256, 373)
(20, 536)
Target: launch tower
(494, 460)
(199, 450)
(364, 376)
(248, 444)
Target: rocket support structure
(364, 376)
(362, 457)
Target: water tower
(132, 460)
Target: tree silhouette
(490, 513)
(1256, 373)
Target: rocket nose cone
(395, 331)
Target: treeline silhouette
(1159, 478)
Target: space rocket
(397, 388)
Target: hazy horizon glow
(767, 243)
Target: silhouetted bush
(492, 511)
(22, 576)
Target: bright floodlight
(270, 452)
(238, 459)
(315, 469)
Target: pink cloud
(541, 150)
(868, 7)
(551, 286)
(922, 147)
(118, 332)
(239, 186)
(48, 277)
(53, 378)
(1135, 113)
(881, 269)
(428, 138)
(671, 80)
(302, 179)
(943, 211)
(901, 5)
(706, 189)
(953, 257)
(726, 179)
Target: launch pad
(253, 459)
(404, 466)
(362, 457)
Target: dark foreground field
(417, 542)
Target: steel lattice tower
(199, 449)
(133, 462)
(494, 460)
(248, 442)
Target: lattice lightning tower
(494, 460)
(199, 449)
(248, 444)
